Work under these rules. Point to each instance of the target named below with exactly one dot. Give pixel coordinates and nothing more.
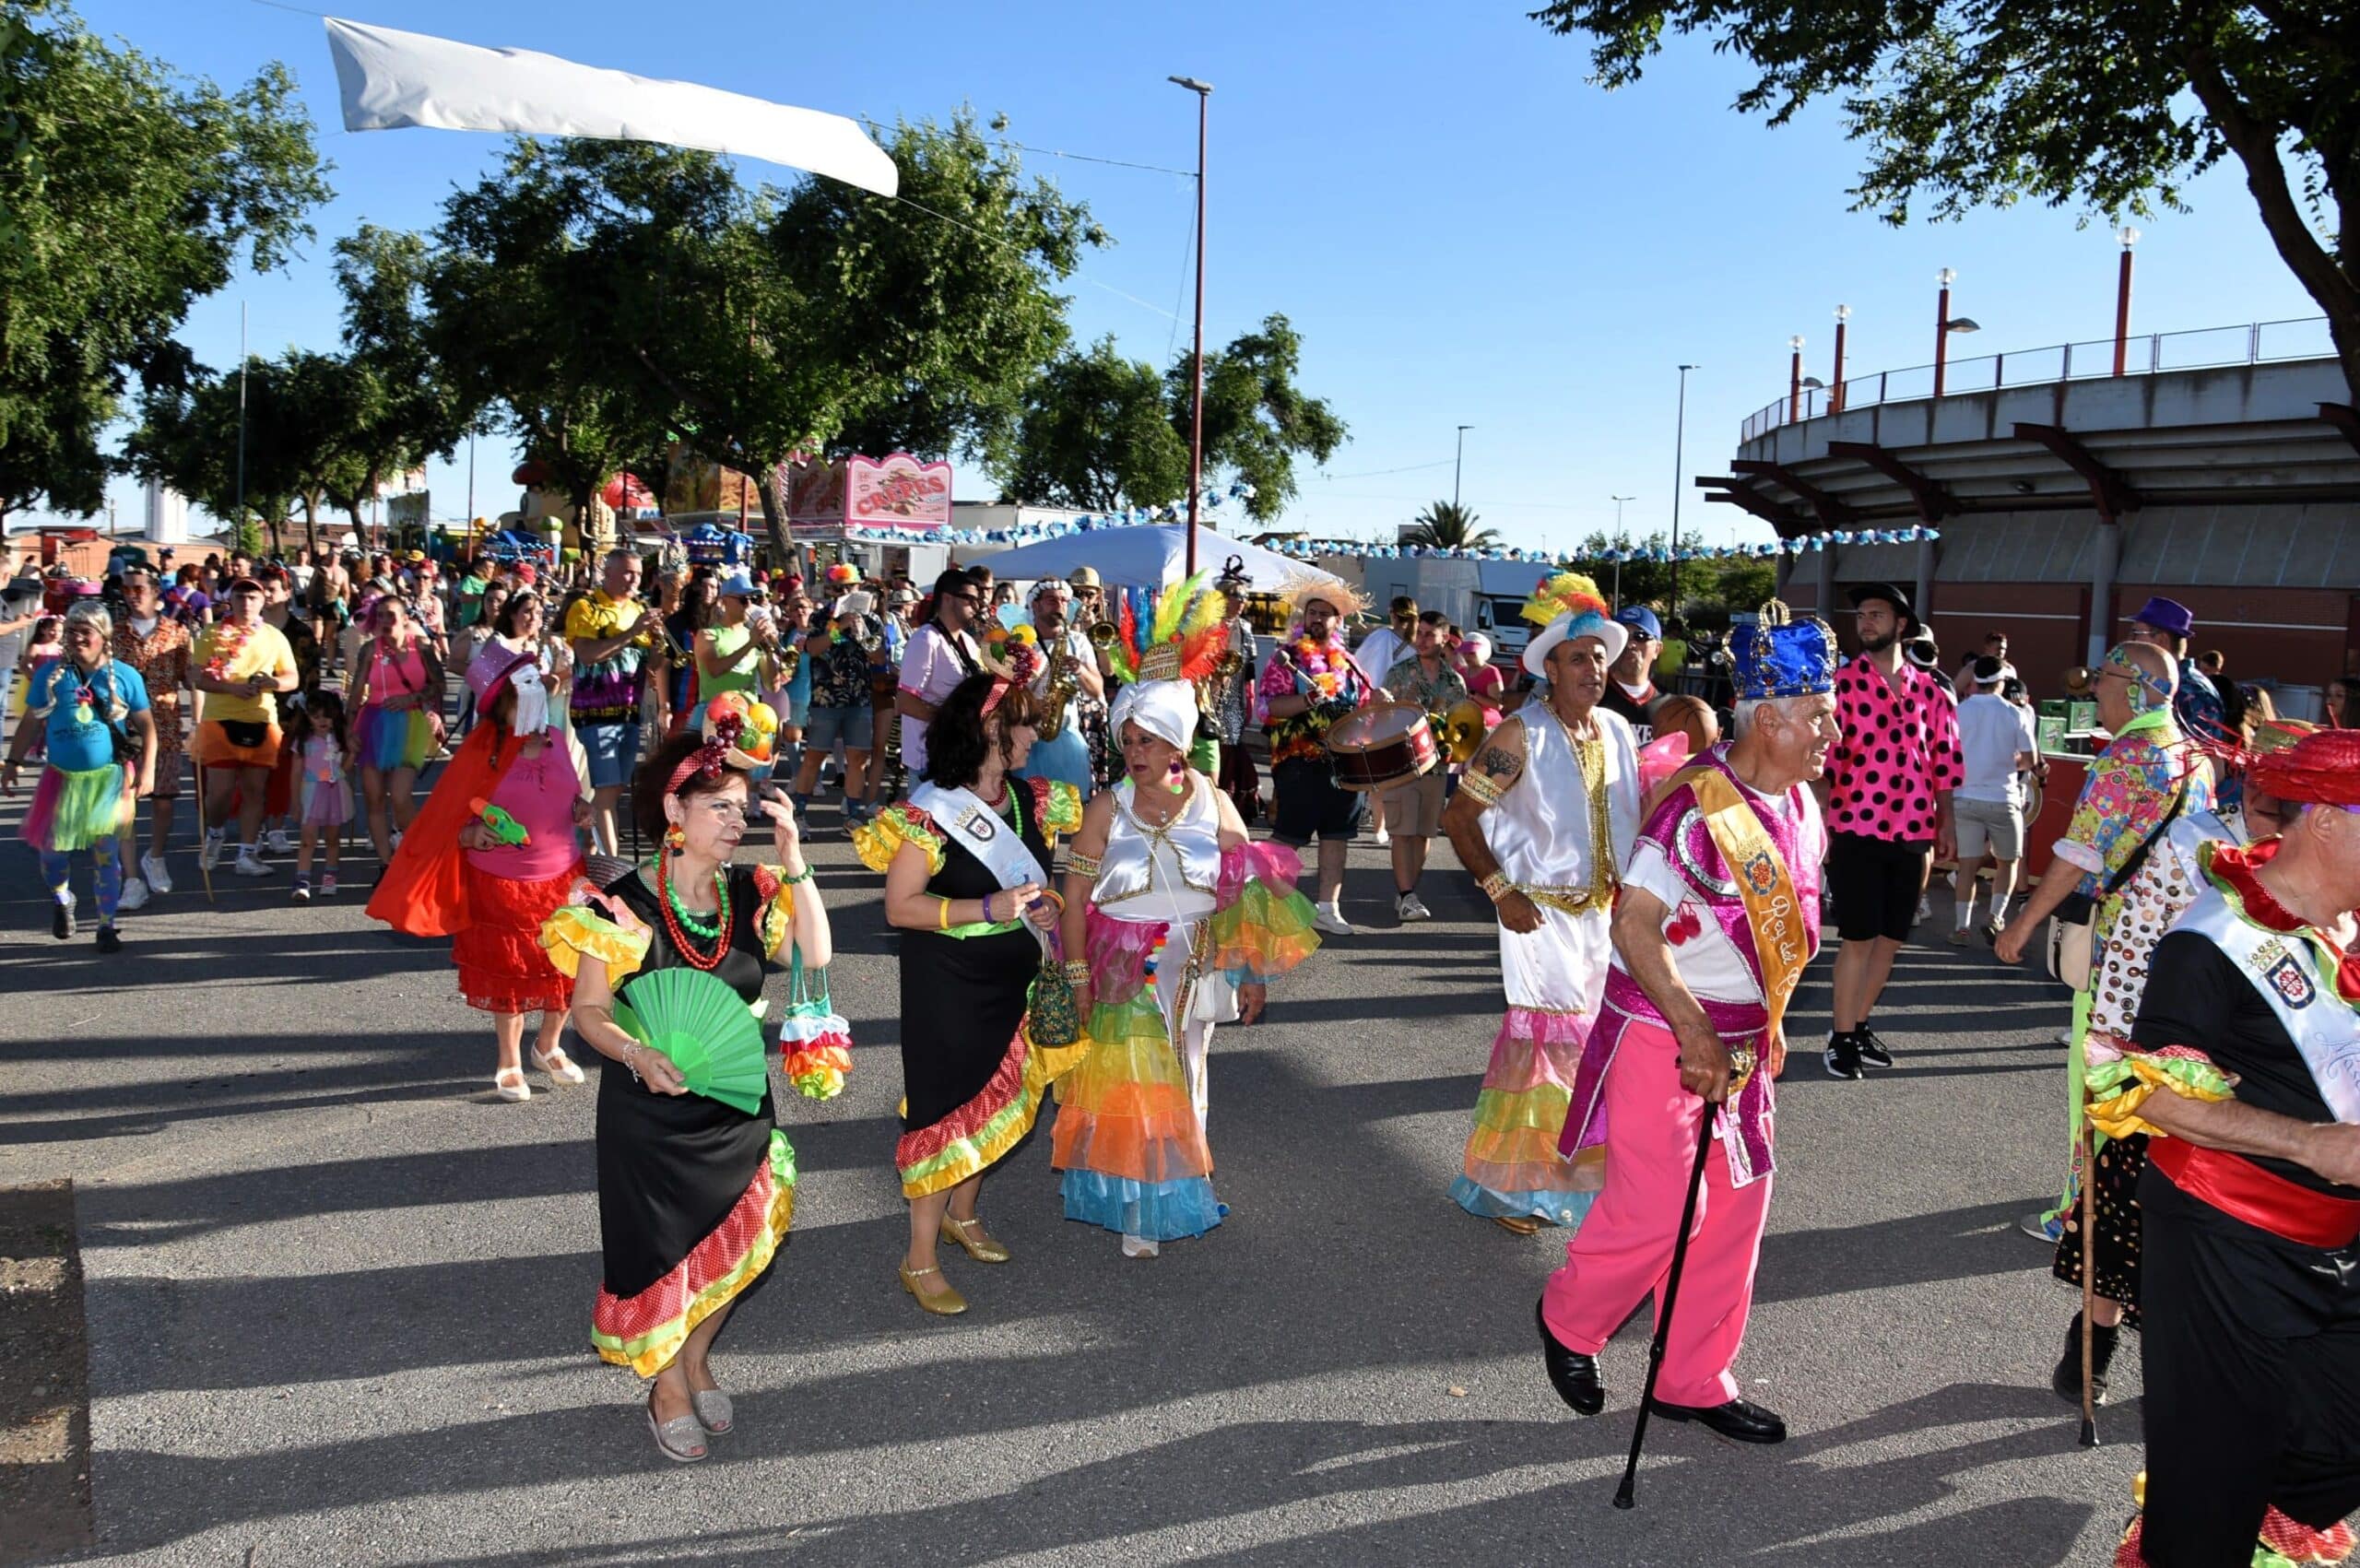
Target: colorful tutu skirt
(326, 804)
(390, 741)
(73, 812)
(1512, 1167)
(502, 966)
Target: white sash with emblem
(2284, 967)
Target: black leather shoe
(1737, 1420)
(2067, 1378)
(1575, 1374)
(1872, 1050)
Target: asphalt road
(338, 1296)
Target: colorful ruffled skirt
(502, 966)
(74, 810)
(390, 741)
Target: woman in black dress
(694, 1196)
(973, 1080)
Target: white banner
(389, 79)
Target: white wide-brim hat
(1584, 623)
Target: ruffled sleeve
(1059, 805)
(1260, 926)
(879, 841)
(574, 931)
(773, 910)
(2123, 1077)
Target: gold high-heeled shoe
(948, 1303)
(1521, 1224)
(964, 1231)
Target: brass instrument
(1102, 635)
(1057, 696)
(1461, 730)
(1214, 687)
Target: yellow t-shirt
(261, 651)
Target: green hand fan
(705, 1030)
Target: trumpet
(1102, 635)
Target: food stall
(885, 516)
(2068, 736)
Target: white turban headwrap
(1166, 709)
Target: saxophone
(1058, 695)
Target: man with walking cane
(1717, 916)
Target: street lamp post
(1944, 324)
(1459, 465)
(2129, 237)
(1619, 542)
(1795, 378)
(1679, 479)
(1204, 91)
(1836, 383)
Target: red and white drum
(1380, 746)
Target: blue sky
(1463, 229)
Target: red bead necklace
(679, 934)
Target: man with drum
(1310, 682)
(1544, 819)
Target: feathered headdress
(1567, 606)
(1568, 592)
(1173, 635)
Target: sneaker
(1992, 931)
(1961, 937)
(1408, 907)
(1384, 838)
(109, 940)
(248, 865)
(1873, 1051)
(327, 885)
(1925, 910)
(1842, 1057)
(159, 878)
(2042, 1227)
(278, 843)
(61, 926)
(302, 893)
(1329, 917)
(210, 855)
(134, 894)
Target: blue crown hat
(1780, 657)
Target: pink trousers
(1622, 1250)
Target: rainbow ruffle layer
(1134, 1157)
(975, 1137)
(816, 1049)
(573, 932)
(74, 810)
(1512, 1166)
(645, 1332)
(2121, 1078)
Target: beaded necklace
(680, 921)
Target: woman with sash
(966, 863)
(1173, 922)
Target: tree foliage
(1096, 433)
(1257, 421)
(1445, 524)
(1988, 101)
(126, 192)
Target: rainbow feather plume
(1568, 592)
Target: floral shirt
(1406, 680)
(2130, 791)
(162, 659)
(1899, 749)
(840, 672)
(1335, 686)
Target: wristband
(942, 915)
(1076, 970)
(802, 876)
(1496, 886)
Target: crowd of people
(1060, 801)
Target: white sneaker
(1408, 907)
(158, 877)
(134, 894)
(1925, 910)
(210, 855)
(1330, 917)
(1384, 838)
(1139, 1246)
(249, 866)
(278, 843)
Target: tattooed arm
(1498, 763)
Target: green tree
(392, 404)
(187, 431)
(1445, 524)
(1096, 434)
(1257, 421)
(126, 192)
(1988, 101)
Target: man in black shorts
(1310, 682)
(1888, 808)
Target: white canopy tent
(389, 79)
(1142, 556)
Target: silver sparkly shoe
(712, 1406)
(680, 1440)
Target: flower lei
(229, 639)
(1314, 660)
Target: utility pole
(1679, 479)
(1620, 542)
(239, 525)
(1204, 91)
(1459, 465)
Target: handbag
(1052, 1017)
(810, 1028)
(2073, 936)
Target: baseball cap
(1641, 620)
(736, 585)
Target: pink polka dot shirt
(1898, 752)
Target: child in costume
(325, 807)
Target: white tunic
(1169, 876)
(1544, 832)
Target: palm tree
(1445, 524)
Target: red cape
(424, 891)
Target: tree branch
(709, 413)
(2256, 144)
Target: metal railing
(2257, 343)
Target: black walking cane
(1623, 1494)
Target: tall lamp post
(1944, 324)
(1679, 479)
(1459, 465)
(1836, 383)
(1619, 542)
(2129, 237)
(1204, 91)
(1795, 378)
